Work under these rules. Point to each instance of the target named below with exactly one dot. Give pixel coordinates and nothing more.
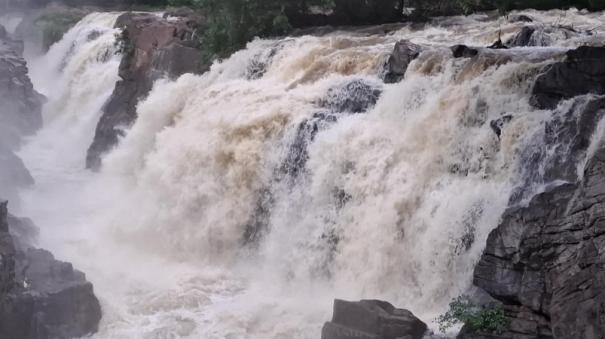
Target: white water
(159, 231)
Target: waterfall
(242, 201)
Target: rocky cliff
(40, 297)
(20, 114)
(545, 260)
(153, 47)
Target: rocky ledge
(153, 47)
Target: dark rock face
(404, 53)
(544, 261)
(582, 72)
(20, 114)
(372, 319)
(538, 35)
(523, 38)
(20, 104)
(462, 51)
(153, 47)
(40, 297)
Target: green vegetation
(233, 23)
(486, 319)
(56, 23)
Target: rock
(542, 36)
(41, 297)
(403, 54)
(372, 319)
(582, 72)
(462, 51)
(20, 104)
(498, 45)
(523, 38)
(20, 115)
(499, 123)
(356, 96)
(544, 260)
(154, 47)
(520, 18)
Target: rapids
(395, 203)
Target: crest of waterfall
(242, 201)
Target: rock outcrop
(40, 297)
(20, 104)
(583, 71)
(403, 54)
(20, 114)
(153, 47)
(545, 261)
(372, 319)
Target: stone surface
(542, 35)
(372, 319)
(545, 261)
(403, 54)
(20, 104)
(153, 47)
(20, 115)
(462, 51)
(582, 72)
(40, 297)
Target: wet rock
(20, 104)
(582, 72)
(543, 261)
(462, 51)
(403, 54)
(498, 124)
(498, 45)
(20, 115)
(41, 297)
(354, 97)
(153, 47)
(523, 38)
(520, 18)
(372, 319)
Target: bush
(489, 318)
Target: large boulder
(153, 47)
(397, 64)
(372, 319)
(582, 72)
(40, 297)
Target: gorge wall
(40, 297)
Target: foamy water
(395, 203)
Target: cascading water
(244, 200)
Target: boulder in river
(403, 54)
(372, 319)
